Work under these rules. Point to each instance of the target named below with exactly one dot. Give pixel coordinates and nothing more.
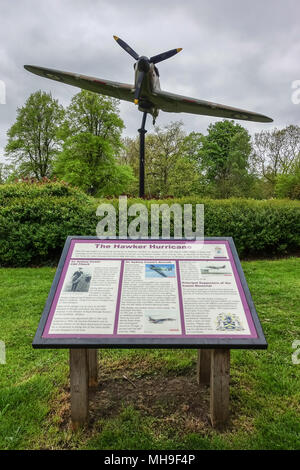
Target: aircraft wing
(118, 90)
(172, 103)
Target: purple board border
(256, 338)
(251, 326)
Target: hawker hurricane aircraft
(146, 92)
(159, 270)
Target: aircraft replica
(146, 92)
(147, 95)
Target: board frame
(173, 342)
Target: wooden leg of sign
(79, 377)
(219, 386)
(93, 367)
(203, 366)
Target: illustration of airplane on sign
(160, 270)
(146, 92)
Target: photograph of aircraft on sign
(146, 92)
(214, 270)
(159, 320)
(164, 270)
(216, 267)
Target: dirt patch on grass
(165, 398)
(174, 401)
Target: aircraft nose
(143, 64)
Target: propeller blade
(165, 55)
(138, 87)
(126, 48)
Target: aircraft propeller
(143, 63)
(127, 48)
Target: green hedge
(35, 220)
(27, 190)
(258, 227)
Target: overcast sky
(236, 52)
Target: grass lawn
(149, 399)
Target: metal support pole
(142, 132)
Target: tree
(275, 152)
(287, 185)
(192, 145)
(223, 158)
(33, 139)
(3, 173)
(129, 155)
(92, 143)
(168, 172)
(8, 173)
(184, 179)
(163, 153)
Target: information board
(149, 293)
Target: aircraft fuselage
(149, 85)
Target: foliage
(35, 220)
(6, 171)
(33, 139)
(167, 169)
(83, 146)
(224, 163)
(275, 152)
(288, 185)
(91, 134)
(87, 161)
(184, 179)
(192, 145)
(223, 158)
(31, 188)
(259, 228)
(261, 189)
